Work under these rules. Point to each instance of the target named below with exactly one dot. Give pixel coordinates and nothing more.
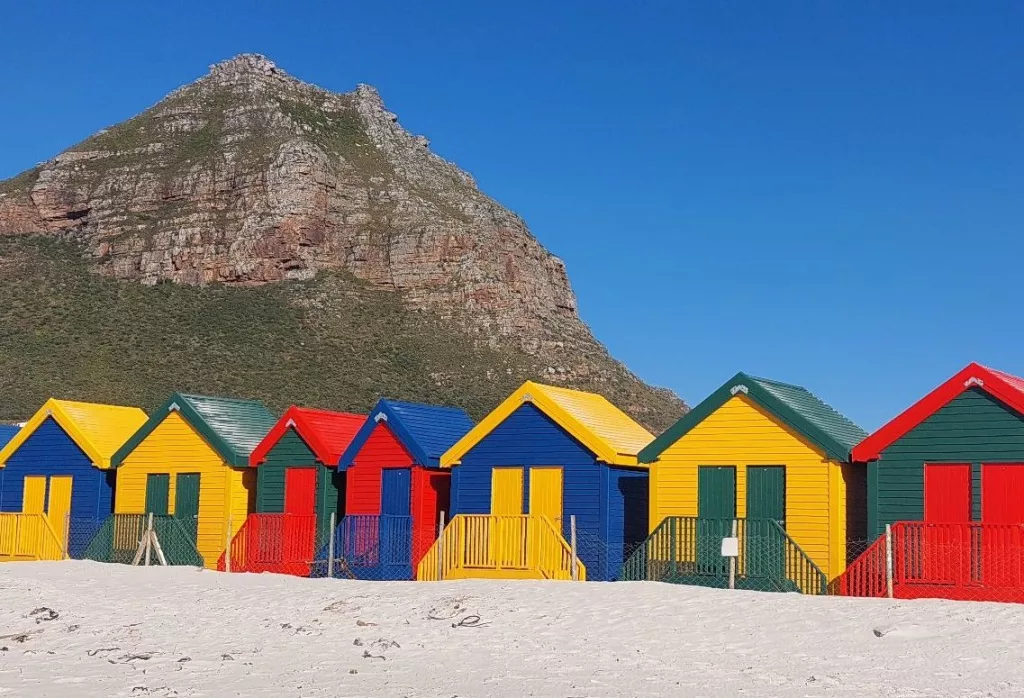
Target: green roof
(795, 406)
(232, 427)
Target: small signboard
(730, 547)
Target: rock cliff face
(250, 176)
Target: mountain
(312, 225)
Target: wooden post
(149, 537)
(155, 543)
(732, 560)
(888, 560)
(67, 537)
(227, 547)
(572, 548)
(330, 545)
(440, 546)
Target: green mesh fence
(118, 539)
(688, 550)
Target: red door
(946, 544)
(1002, 504)
(299, 530)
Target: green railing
(688, 550)
(118, 539)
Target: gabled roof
(232, 427)
(793, 405)
(326, 433)
(604, 429)
(99, 430)
(1006, 388)
(426, 431)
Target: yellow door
(507, 491)
(34, 495)
(546, 494)
(58, 506)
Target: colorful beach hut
(189, 465)
(947, 474)
(759, 451)
(544, 455)
(395, 489)
(298, 488)
(57, 469)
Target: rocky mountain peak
(250, 176)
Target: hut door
(947, 492)
(186, 502)
(58, 507)
(300, 491)
(716, 508)
(1002, 487)
(546, 494)
(34, 495)
(506, 491)
(396, 523)
(947, 499)
(158, 487)
(766, 502)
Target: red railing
(963, 561)
(865, 576)
(281, 543)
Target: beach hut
(189, 464)
(394, 486)
(544, 455)
(947, 474)
(776, 458)
(57, 468)
(298, 487)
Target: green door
(716, 509)
(766, 502)
(186, 502)
(158, 487)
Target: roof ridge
(222, 398)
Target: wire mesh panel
(81, 531)
(370, 547)
(118, 539)
(278, 543)
(688, 550)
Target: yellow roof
(591, 419)
(99, 430)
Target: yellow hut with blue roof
(544, 455)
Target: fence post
(227, 547)
(572, 547)
(330, 545)
(149, 537)
(732, 560)
(888, 560)
(440, 547)
(66, 546)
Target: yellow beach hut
(189, 463)
(765, 451)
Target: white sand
(123, 631)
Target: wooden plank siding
(741, 434)
(289, 452)
(528, 438)
(973, 427)
(175, 447)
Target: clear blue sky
(823, 193)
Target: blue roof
(426, 431)
(7, 432)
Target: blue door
(396, 523)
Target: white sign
(730, 547)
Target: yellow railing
(28, 537)
(499, 547)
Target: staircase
(117, 540)
(28, 537)
(482, 546)
(688, 550)
(280, 543)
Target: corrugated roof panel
(106, 427)
(600, 416)
(333, 430)
(434, 428)
(242, 424)
(816, 411)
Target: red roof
(326, 433)
(1007, 388)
